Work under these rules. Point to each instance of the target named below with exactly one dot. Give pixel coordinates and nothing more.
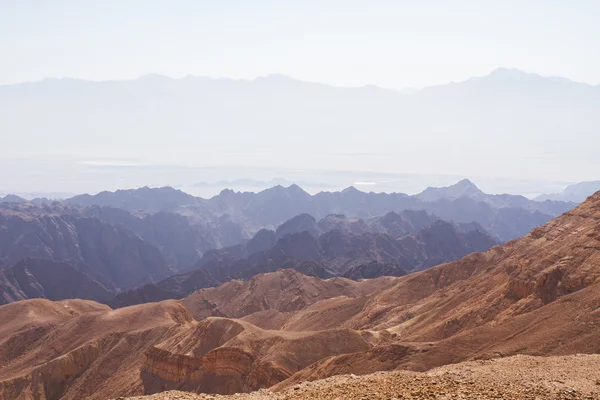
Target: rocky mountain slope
(538, 295)
(73, 348)
(519, 298)
(39, 278)
(334, 253)
(275, 293)
(110, 254)
(64, 349)
(511, 299)
(119, 249)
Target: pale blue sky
(391, 43)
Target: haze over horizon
(394, 44)
(283, 77)
(308, 92)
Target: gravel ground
(519, 377)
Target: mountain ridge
(498, 72)
(329, 253)
(269, 208)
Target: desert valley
(138, 292)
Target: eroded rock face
(199, 361)
(223, 371)
(228, 356)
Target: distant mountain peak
(504, 75)
(297, 190)
(351, 189)
(508, 72)
(466, 184)
(463, 188)
(11, 198)
(292, 190)
(227, 192)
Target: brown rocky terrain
(514, 378)
(537, 296)
(72, 349)
(282, 292)
(518, 298)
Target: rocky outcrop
(226, 356)
(196, 361)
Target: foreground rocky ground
(518, 377)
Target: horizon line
(276, 75)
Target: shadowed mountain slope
(110, 254)
(333, 253)
(38, 278)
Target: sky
(389, 43)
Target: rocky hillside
(485, 305)
(538, 295)
(334, 253)
(276, 294)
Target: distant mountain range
(104, 251)
(123, 240)
(501, 124)
(504, 216)
(576, 193)
(392, 245)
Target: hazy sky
(391, 43)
